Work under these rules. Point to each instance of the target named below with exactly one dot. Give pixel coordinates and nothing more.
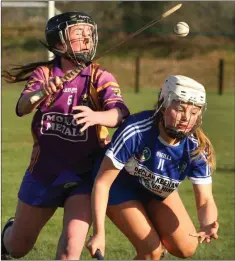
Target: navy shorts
(126, 187)
(38, 194)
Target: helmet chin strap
(171, 131)
(77, 59)
(175, 134)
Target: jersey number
(70, 100)
(161, 164)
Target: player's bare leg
(76, 223)
(173, 225)
(131, 218)
(20, 237)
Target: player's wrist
(38, 95)
(98, 117)
(43, 91)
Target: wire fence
(139, 73)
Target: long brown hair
(22, 73)
(204, 145)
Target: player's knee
(74, 250)
(156, 254)
(19, 248)
(186, 251)
(144, 254)
(70, 248)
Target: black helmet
(56, 33)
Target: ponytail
(22, 73)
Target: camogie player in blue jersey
(148, 158)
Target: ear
(60, 46)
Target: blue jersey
(137, 149)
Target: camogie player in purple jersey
(148, 158)
(69, 132)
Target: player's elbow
(23, 108)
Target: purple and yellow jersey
(137, 149)
(58, 143)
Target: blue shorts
(126, 187)
(38, 194)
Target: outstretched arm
(100, 194)
(207, 212)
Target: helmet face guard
(183, 90)
(188, 128)
(57, 32)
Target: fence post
(137, 74)
(51, 13)
(221, 76)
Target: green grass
(218, 124)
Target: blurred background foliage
(128, 16)
(211, 38)
(212, 25)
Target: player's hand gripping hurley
(98, 255)
(42, 93)
(79, 68)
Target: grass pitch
(218, 124)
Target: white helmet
(182, 88)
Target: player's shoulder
(141, 118)
(97, 71)
(136, 126)
(192, 141)
(40, 73)
(98, 67)
(147, 115)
